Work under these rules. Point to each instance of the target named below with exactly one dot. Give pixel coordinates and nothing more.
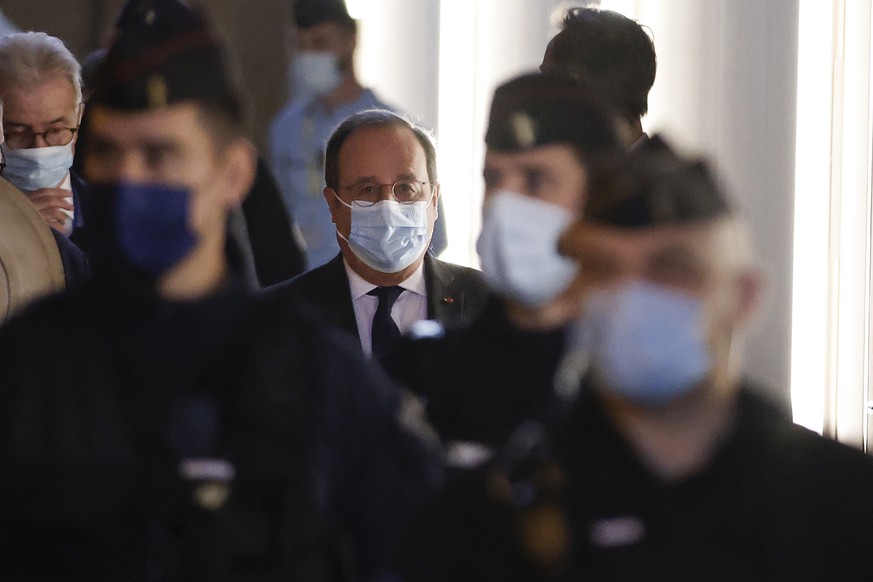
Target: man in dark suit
(382, 192)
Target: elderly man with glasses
(54, 206)
(42, 96)
(382, 193)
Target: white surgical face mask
(645, 342)
(518, 248)
(388, 236)
(317, 71)
(34, 168)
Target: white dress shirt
(411, 305)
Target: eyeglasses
(403, 191)
(25, 137)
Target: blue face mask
(388, 236)
(145, 226)
(35, 168)
(646, 343)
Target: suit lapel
(443, 301)
(338, 296)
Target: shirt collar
(360, 287)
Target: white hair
(28, 58)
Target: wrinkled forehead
(380, 145)
(51, 94)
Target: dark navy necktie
(385, 332)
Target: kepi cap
(537, 109)
(164, 53)
(654, 186)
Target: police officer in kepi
(161, 422)
(546, 139)
(662, 463)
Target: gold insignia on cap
(150, 17)
(524, 129)
(156, 91)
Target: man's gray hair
(375, 118)
(28, 58)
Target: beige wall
(255, 29)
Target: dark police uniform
(569, 498)
(775, 502)
(479, 381)
(218, 439)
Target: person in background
(545, 141)
(323, 70)
(613, 56)
(277, 251)
(382, 194)
(40, 106)
(161, 422)
(41, 90)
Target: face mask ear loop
(349, 206)
(339, 234)
(341, 201)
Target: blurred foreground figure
(159, 423)
(546, 138)
(665, 465)
(30, 264)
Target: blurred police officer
(160, 423)
(668, 465)
(546, 137)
